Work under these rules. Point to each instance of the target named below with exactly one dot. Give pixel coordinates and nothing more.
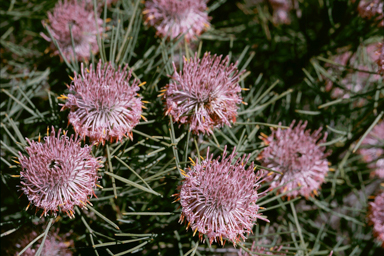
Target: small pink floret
(104, 105)
(376, 217)
(372, 9)
(84, 29)
(219, 198)
(205, 94)
(298, 155)
(372, 150)
(349, 84)
(58, 174)
(53, 245)
(172, 18)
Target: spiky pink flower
(171, 18)
(205, 94)
(263, 250)
(298, 155)
(53, 245)
(372, 9)
(372, 149)
(104, 104)
(376, 217)
(356, 81)
(58, 173)
(84, 29)
(218, 198)
(281, 9)
(380, 59)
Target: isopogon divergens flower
(205, 94)
(372, 150)
(282, 8)
(376, 217)
(54, 245)
(58, 173)
(349, 84)
(219, 197)
(298, 155)
(104, 104)
(72, 15)
(372, 9)
(171, 18)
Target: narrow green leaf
(131, 183)
(132, 250)
(368, 131)
(44, 238)
(103, 217)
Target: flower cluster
(218, 198)
(58, 173)
(376, 217)
(372, 9)
(104, 104)
(172, 18)
(372, 149)
(205, 94)
(298, 155)
(74, 16)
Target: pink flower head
(53, 245)
(296, 153)
(281, 9)
(84, 29)
(104, 104)
(205, 94)
(372, 9)
(218, 198)
(171, 18)
(380, 60)
(262, 250)
(376, 217)
(58, 173)
(355, 81)
(373, 151)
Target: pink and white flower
(205, 94)
(219, 198)
(298, 155)
(172, 18)
(372, 150)
(376, 217)
(84, 29)
(372, 9)
(58, 173)
(104, 104)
